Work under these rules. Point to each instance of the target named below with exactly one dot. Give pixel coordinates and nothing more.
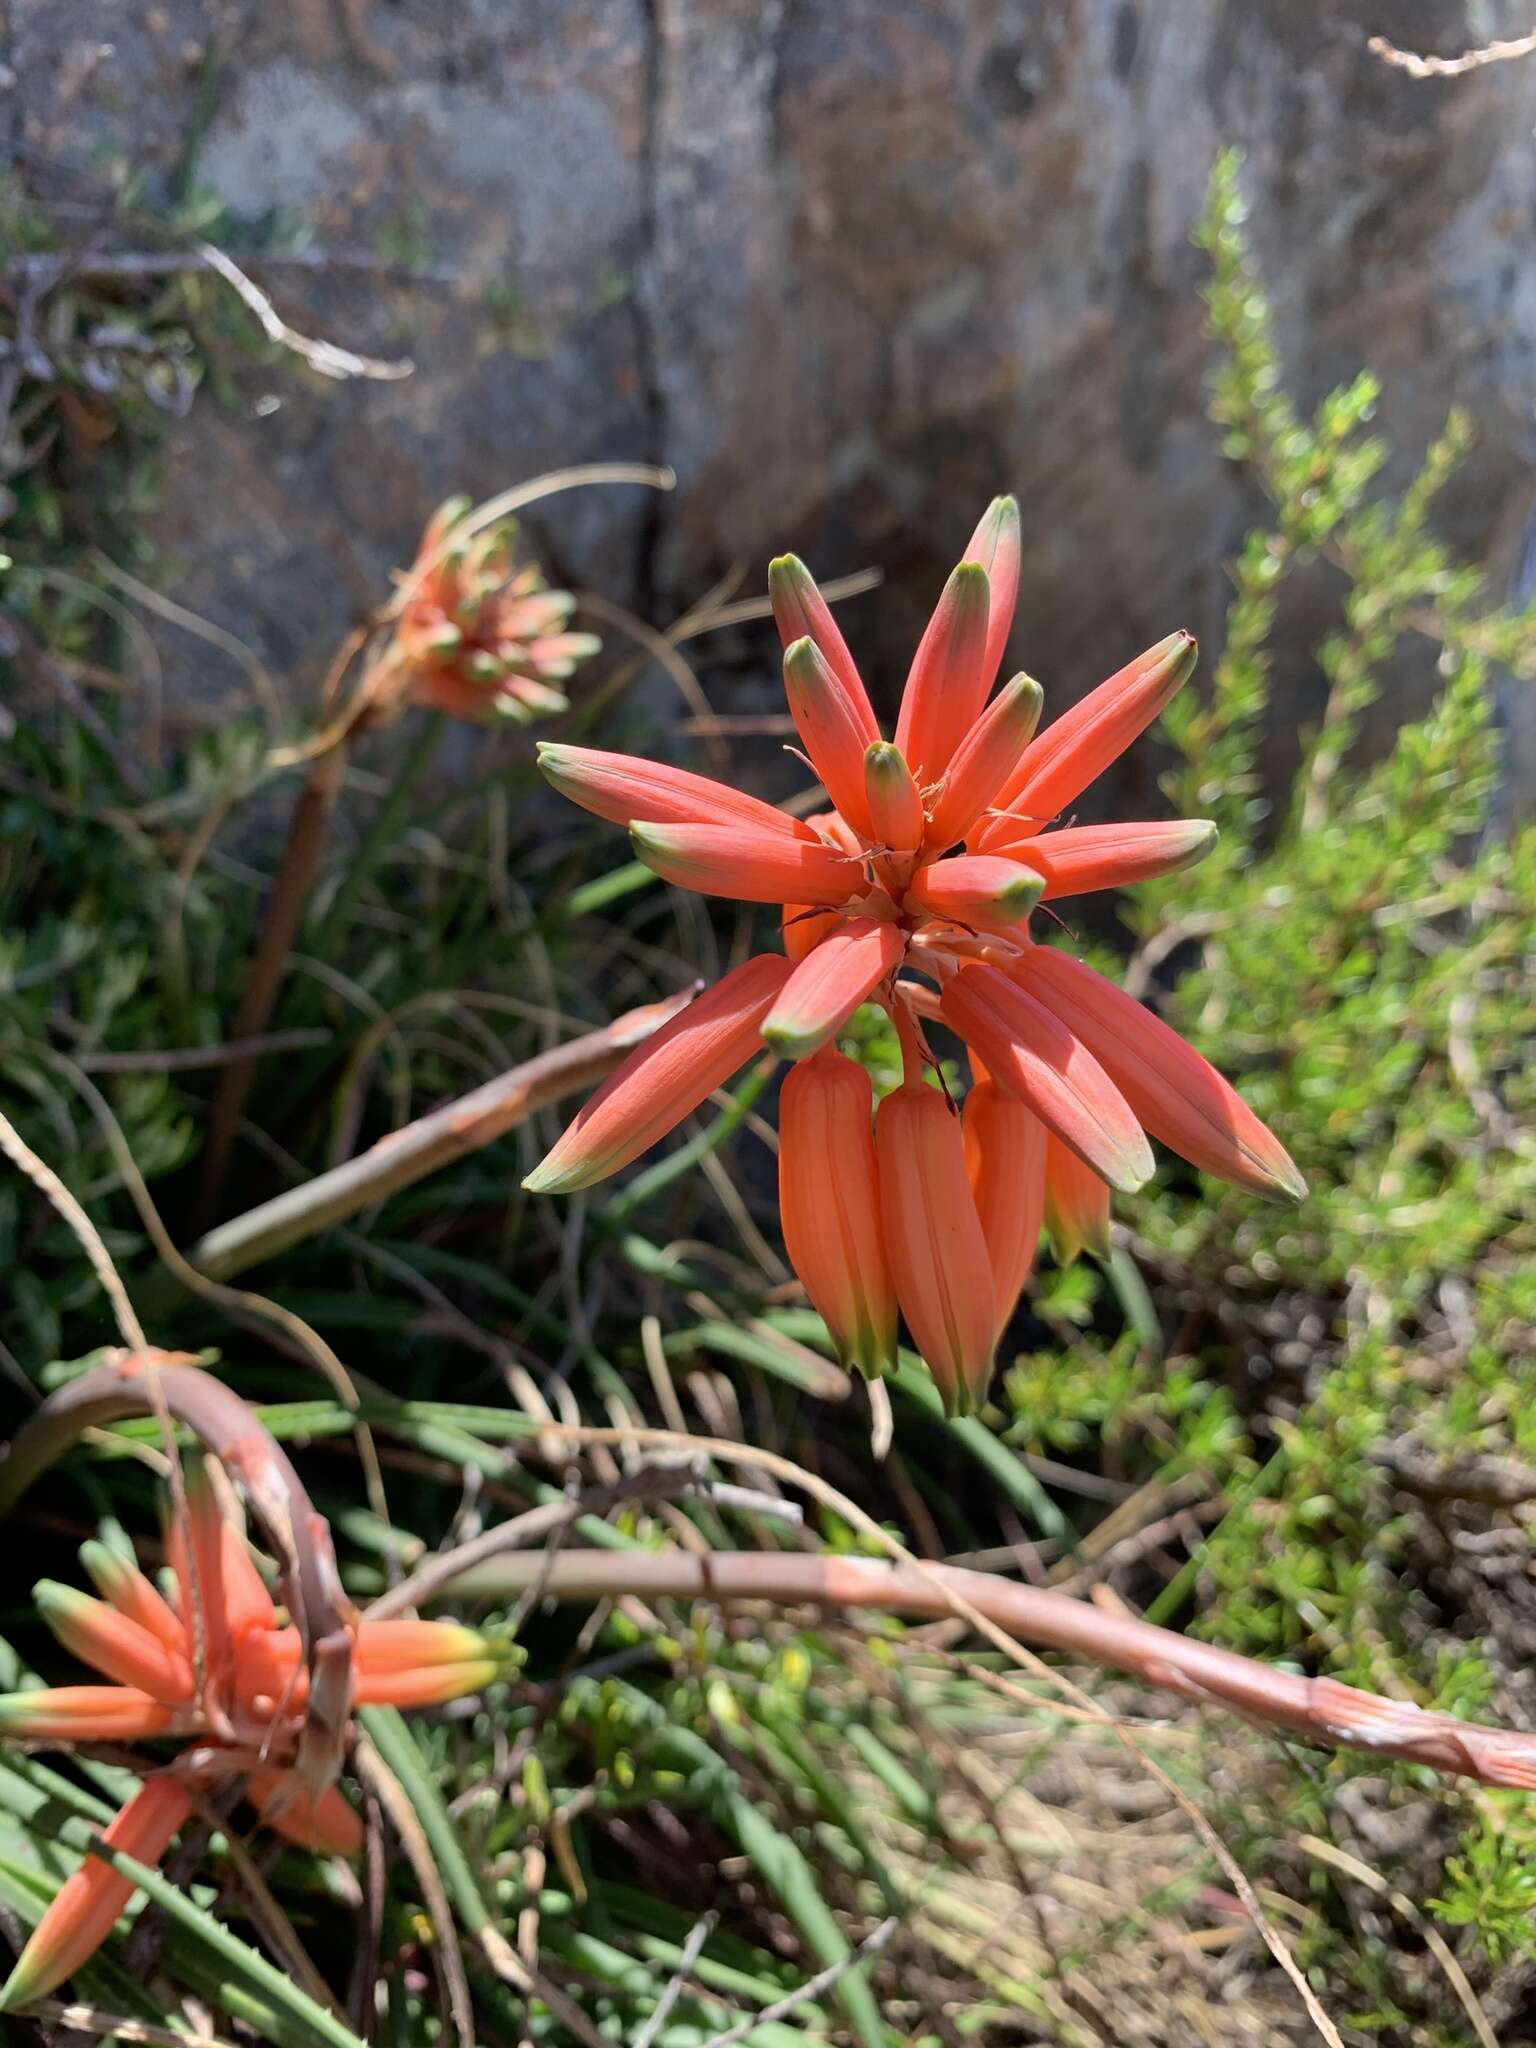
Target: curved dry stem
(1316, 1710)
(43, 1177)
(406, 1156)
(237, 1300)
(663, 650)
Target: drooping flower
(481, 636)
(216, 1668)
(935, 853)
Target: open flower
(481, 636)
(215, 1668)
(915, 891)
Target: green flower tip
(1200, 840)
(885, 760)
(1181, 650)
(550, 1177)
(1018, 897)
(786, 572)
(649, 838)
(803, 662)
(1025, 697)
(1000, 515)
(790, 1042)
(54, 1599)
(23, 1985)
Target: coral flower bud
(1076, 1205)
(829, 985)
(830, 1201)
(1177, 1095)
(247, 1603)
(86, 1905)
(1005, 1150)
(325, 1824)
(996, 545)
(269, 1668)
(801, 612)
(119, 1648)
(749, 862)
(804, 928)
(1031, 1054)
(895, 805)
(266, 1658)
(664, 1079)
(83, 1713)
(830, 729)
(1085, 857)
(947, 683)
(979, 765)
(125, 1587)
(626, 789)
(1080, 745)
(934, 1241)
(976, 889)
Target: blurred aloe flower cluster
(479, 634)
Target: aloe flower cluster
(915, 891)
(215, 1668)
(479, 635)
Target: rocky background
(850, 268)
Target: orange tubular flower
(829, 985)
(1076, 1204)
(931, 863)
(1005, 1153)
(934, 1238)
(664, 1079)
(748, 863)
(1085, 857)
(85, 1907)
(327, 1824)
(218, 1672)
(829, 1200)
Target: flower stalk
(1322, 1711)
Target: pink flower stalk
(216, 1669)
(936, 851)
(479, 636)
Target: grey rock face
(850, 269)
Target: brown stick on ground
(1318, 1710)
(296, 874)
(449, 1133)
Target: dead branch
(1315, 1710)
(1450, 67)
(406, 1156)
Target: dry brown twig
(43, 1177)
(1417, 66)
(323, 356)
(407, 1155)
(238, 1301)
